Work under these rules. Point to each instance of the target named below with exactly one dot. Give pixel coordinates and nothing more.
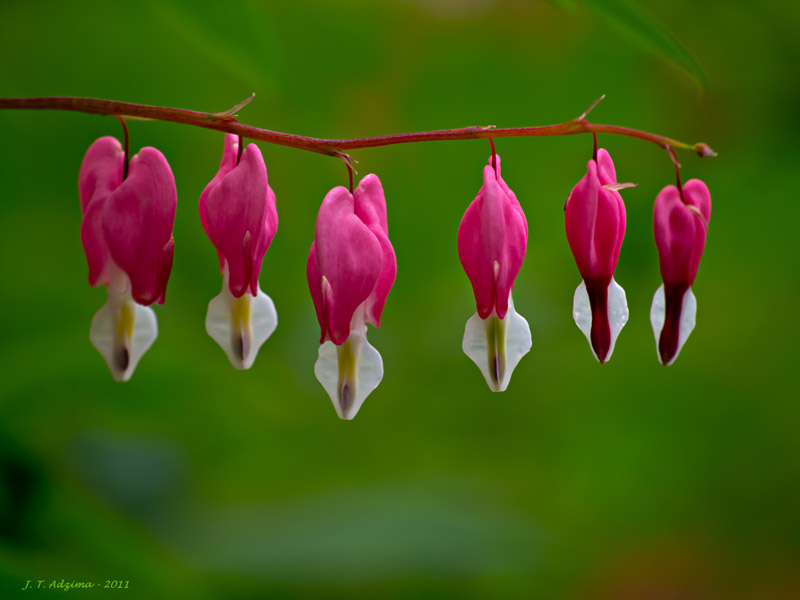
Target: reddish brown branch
(224, 121)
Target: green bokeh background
(627, 480)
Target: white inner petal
(617, 313)
(122, 331)
(687, 321)
(350, 372)
(497, 345)
(241, 325)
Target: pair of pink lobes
(595, 227)
(351, 268)
(238, 213)
(126, 233)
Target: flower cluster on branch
(129, 205)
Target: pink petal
(94, 243)
(492, 239)
(605, 168)
(370, 203)
(315, 287)
(228, 162)
(235, 214)
(348, 262)
(609, 231)
(595, 223)
(101, 174)
(101, 170)
(370, 207)
(580, 214)
(265, 239)
(680, 233)
(696, 193)
(164, 269)
(137, 224)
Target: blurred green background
(627, 480)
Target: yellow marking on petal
(347, 375)
(126, 321)
(496, 345)
(241, 313)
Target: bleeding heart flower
(680, 223)
(237, 210)
(594, 216)
(492, 239)
(127, 236)
(351, 269)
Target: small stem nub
(591, 106)
(127, 146)
(232, 111)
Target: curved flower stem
(239, 150)
(494, 157)
(127, 146)
(224, 121)
(675, 162)
(350, 174)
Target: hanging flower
(237, 210)
(351, 269)
(594, 216)
(680, 223)
(127, 236)
(492, 239)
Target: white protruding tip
(241, 325)
(350, 372)
(497, 345)
(686, 324)
(617, 313)
(122, 331)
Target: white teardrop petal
(687, 322)
(264, 321)
(350, 372)
(617, 313)
(497, 345)
(658, 312)
(122, 331)
(582, 312)
(241, 325)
